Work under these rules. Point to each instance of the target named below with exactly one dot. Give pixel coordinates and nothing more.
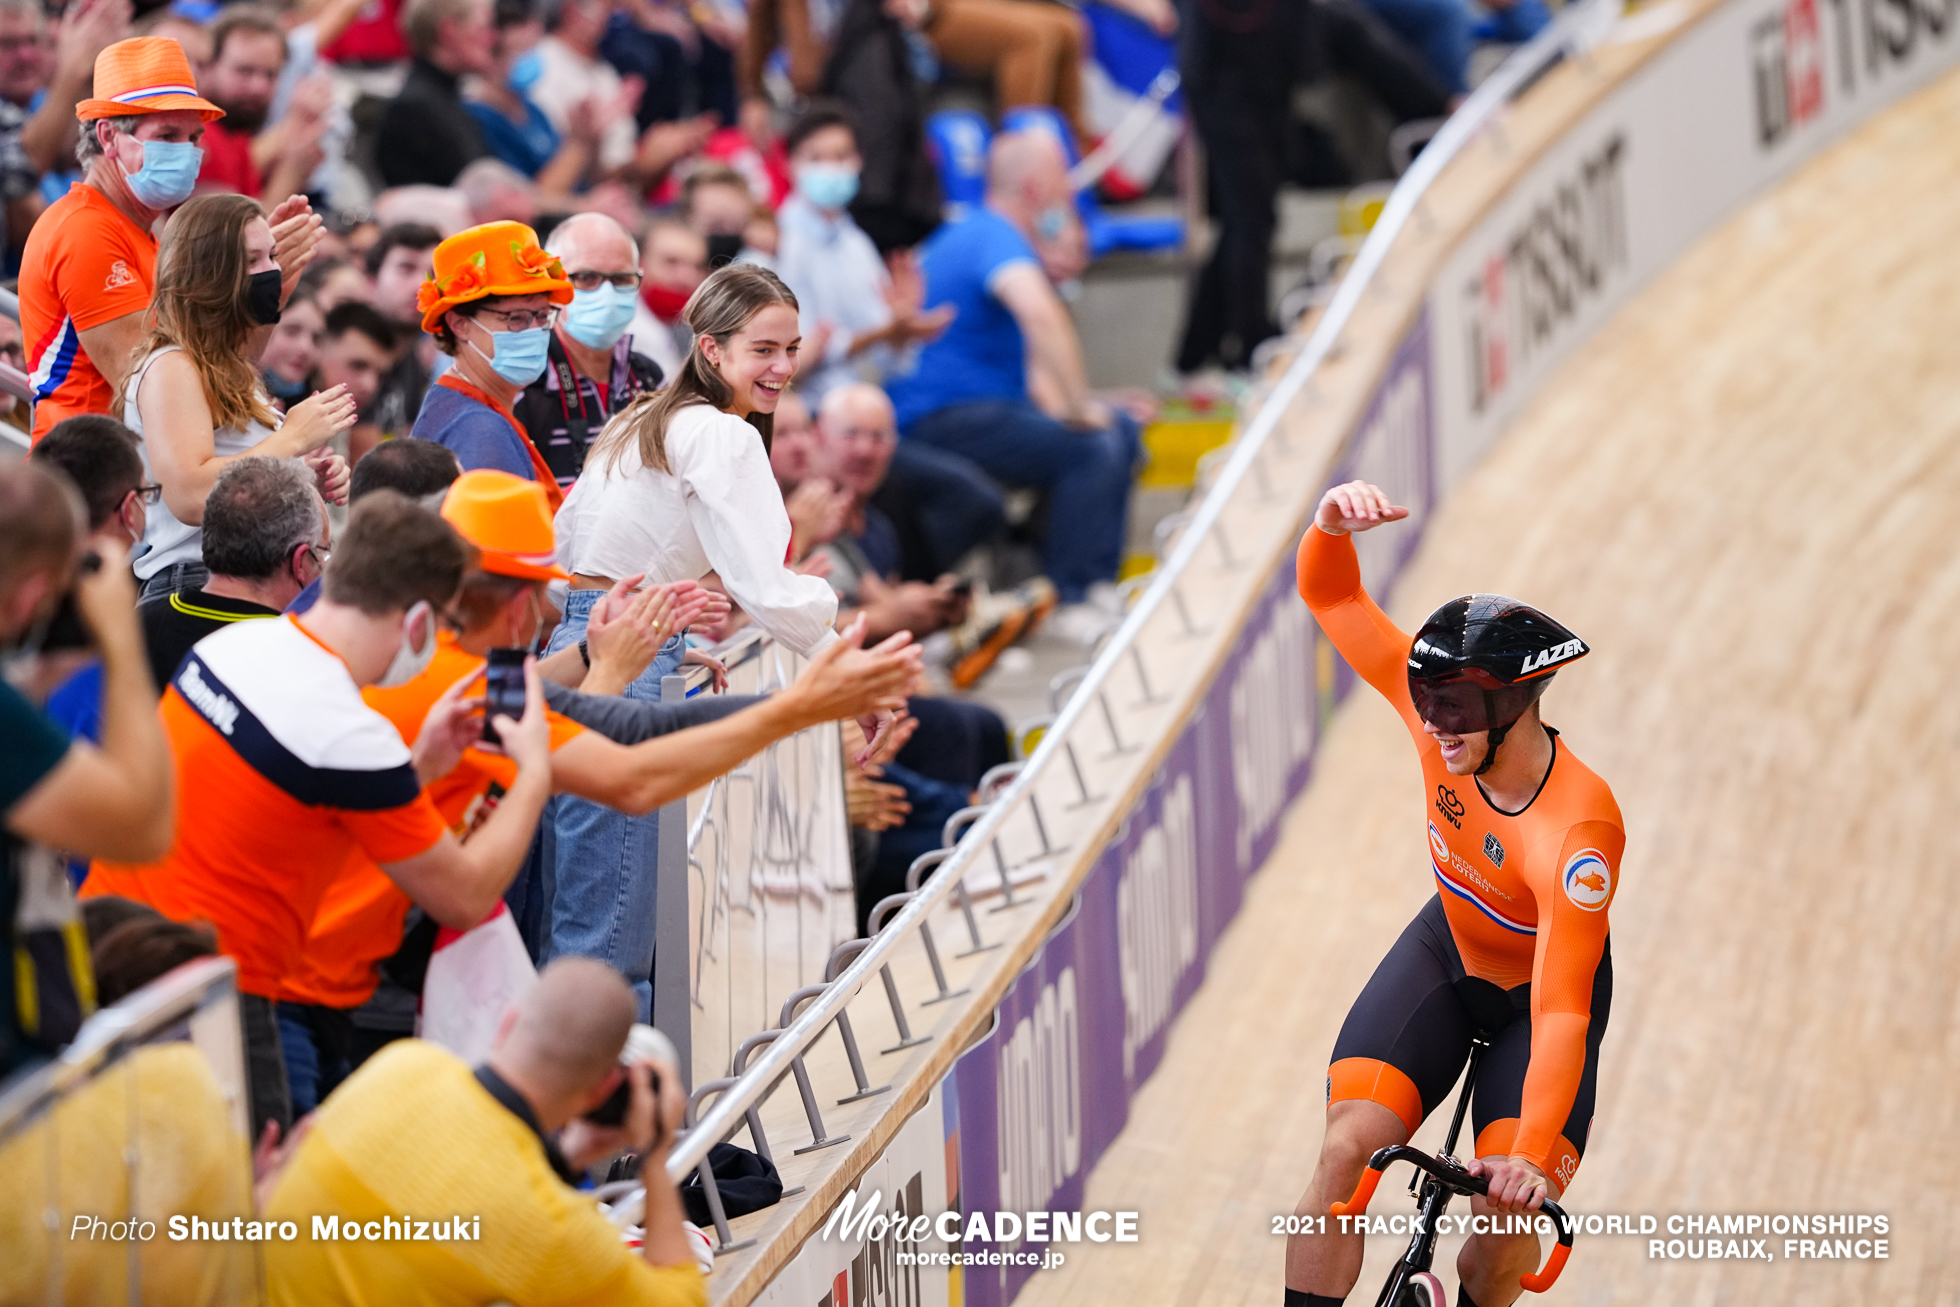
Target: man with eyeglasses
(592, 369)
(491, 302)
(266, 538)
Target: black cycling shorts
(1407, 1037)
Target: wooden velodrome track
(1745, 493)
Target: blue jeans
(940, 506)
(1086, 473)
(314, 1067)
(603, 867)
(1513, 26)
(1439, 29)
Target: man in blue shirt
(1005, 385)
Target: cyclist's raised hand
(1515, 1184)
(1356, 506)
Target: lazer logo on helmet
(1556, 654)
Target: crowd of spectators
(320, 424)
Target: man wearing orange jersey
(503, 603)
(1524, 844)
(283, 771)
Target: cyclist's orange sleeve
(1329, 577)
(1571, 939)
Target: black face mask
(723, 246)
(262, 296)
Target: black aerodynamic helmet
(1481, 660)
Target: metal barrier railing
(143, 1118)
(764, 870)
(978, 851)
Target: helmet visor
(1460, 706)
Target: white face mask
(410, 662)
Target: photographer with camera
(55, 793)
(415, 1131)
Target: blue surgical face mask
(1052, 222)
(518, 356)
(829, 186)
(283, 389)
(168, 175)
(598, 318)
(525, 71)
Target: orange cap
(145, 74)
(508, 519)
(497, 258)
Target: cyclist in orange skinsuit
(1524, 844)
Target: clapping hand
(296, 233)
(316, 419)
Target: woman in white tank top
(194, 398)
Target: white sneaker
(1106, 596)
(1081, 624)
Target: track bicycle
(1410, 1283)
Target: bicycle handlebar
(1460, 1181)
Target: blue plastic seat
(957, 140)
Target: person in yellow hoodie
(445, 1184)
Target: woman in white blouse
(677, 485)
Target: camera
(642, 1042)
(66, 629)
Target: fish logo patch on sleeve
(1588, 880)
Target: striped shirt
(282, 772)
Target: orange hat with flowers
(497, 258)
(508, 519)
(145, 74)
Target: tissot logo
(1559, 258)
(1450, 806)
(1786, 50)
(1808, 54)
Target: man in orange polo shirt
(502, 603)
(283, 771)
(89, 267)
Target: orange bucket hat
(508, 519)
(145, 74)
(497, 258)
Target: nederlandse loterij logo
(1588, 880)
